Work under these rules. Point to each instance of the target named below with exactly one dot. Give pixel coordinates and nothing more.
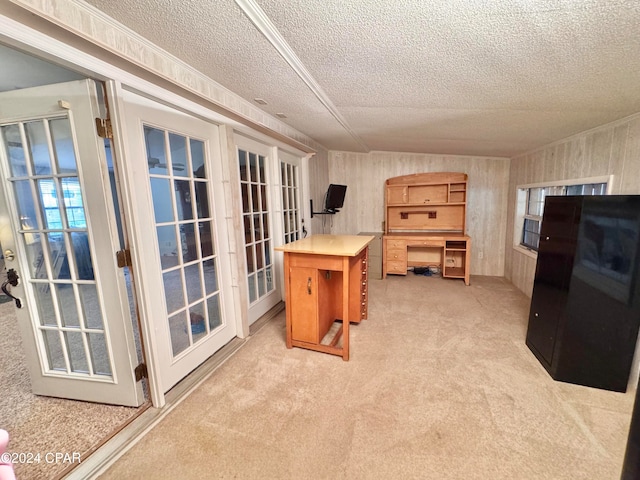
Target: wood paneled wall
(365, 174)
(612, 149)
(318, 183)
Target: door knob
(12, 279)
(9, 255)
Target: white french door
(176, 184)
(59, 227)
(292, 195)
(255, 163)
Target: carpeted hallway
(440, 385)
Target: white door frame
(120, 140)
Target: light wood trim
(428, 178)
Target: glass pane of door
(257, 231)
(289, 177)
(185, 235)
(53, 229)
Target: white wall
(365, 174)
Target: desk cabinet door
(304, 304)
(397, 194)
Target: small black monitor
(335, 197)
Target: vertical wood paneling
(550, 166)
(616, 162)
(631, 170)
(533, 165)
(612, 149)
(508, 259)
(574, 159)
(598, 151)
(318, 180)
(561, 158)
(365, 176)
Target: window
(531, 205)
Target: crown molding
(264, 24)
(93, 25)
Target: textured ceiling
(475, 77)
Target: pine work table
(325, 284)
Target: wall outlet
(481, 255)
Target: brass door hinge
(141, 372)
(123, 258)
(103, 126)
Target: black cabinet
(585, 307)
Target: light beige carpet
(43, 425)
(440, 385)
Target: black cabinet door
(543, 324)
(561, 218)
(553, 275)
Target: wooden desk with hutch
(425, 215)
(325, 279)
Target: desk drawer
(396, 244)
(396, 254)
(398, 268)
(425, 243)
(358, 289)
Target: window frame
(522, 214)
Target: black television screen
(335, 197)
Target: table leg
(287, 296)
(345, 308)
